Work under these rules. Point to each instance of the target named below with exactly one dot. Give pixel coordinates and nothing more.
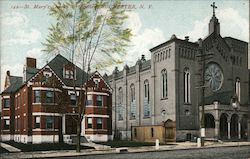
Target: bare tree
(92, 31)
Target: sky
(24, 26)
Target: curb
(138, 151)
(143, 151)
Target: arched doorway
(170, 130)
(243, 124)
(234, 126)
(209, 125)
(209, 121)
(223, 126)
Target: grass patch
(2, 150)
(44, 146)
(115, 144)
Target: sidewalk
(9, 148)
(64, 153)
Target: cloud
(17, 31)
(13, 19)
(35, 53)
(142, 40)
(38, 54)
(23, 37)
(231, 24)
(133, 22)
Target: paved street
(242, 152)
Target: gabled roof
(213, 36)
(57, 64)
(173, 40)
(222, 97)
(92, 75)
(30, 72)
(15, 83)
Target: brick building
(166, 90)
(41, 105)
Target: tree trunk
(78, 142)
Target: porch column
(228, 129)
(217, 128)
(239, 136)
(63, 124)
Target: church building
(161, 98)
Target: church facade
(168, 89)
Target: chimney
(30, 62)
(186, 38)
(143, 58)
(8, 73)
(7, 80)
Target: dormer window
(69, 72)
(97, 81)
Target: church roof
(174, 40)
(213, 36)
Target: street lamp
(235, 102)
(236, 106)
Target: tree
(92, 31)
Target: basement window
(90, 121)
(37, 122)
(99, 123)
(6, 124)
(6, 103)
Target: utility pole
(203, 58)
(202, 122)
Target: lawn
(116, 143)
(44, 146)
(2, 150)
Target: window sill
(187, 103)
(165, 98)
(146, 117)
(93, 106)
(44, 104)
(39, 129)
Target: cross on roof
(214, 7)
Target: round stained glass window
(214, 76)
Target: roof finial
(214, 7)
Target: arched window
(209, 121)
(133, 102)
(120, 99)
(146, 90)
(237, 87)
(146, 99)
(164, 83)
(186, 85)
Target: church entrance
(223, 126)
(170, 131)
(209, 125)
(234, 126)
(244, 127)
